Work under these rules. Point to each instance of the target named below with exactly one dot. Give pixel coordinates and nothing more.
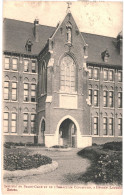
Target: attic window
(28, 45)
(105, 55)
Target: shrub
(11, 144)
(21, 161)
(117, 146)
(58, 146)
(94, 144)
(106, 166)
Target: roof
(16, 34)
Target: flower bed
(106, 165)
(21, 161)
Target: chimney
(119, 42)
(36, 31)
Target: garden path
(70, 165)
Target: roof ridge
(98, 35)
(28, 22)
(55, 28)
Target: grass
(21, 159)
(106, 163)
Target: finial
(69, 6)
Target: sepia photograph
(62, 97)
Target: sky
(103, 18)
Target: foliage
(117, 146)
(106, 165)
(58, 146)
(22, 161)
(11, 144)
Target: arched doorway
(42, 131)
(68, 133)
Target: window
(14, 91)
(90, 72)
(6, 90)
(13, 122)
(119, 99)
(111, 75)
(104, 126)
(90, 95)
(33, 123)
(6, 122)
(25, 122)
(119, 76)
(120, 126)
(95, 125)
(14, 64)
(105, 75)
(111, 98)
(26, 92)
(44, 79)
(96, 74)
(26, 65)
(33, 67)
(7, 62)
(110, 126)
(96, 98)
(33, 93)
(105, 98)
(67, 74)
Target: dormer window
(28, 45)
(69, 33)
(105, 55)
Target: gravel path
(70, 165)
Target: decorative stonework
(51, 62)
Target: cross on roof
(69, 6)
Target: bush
(106, 166)
(58, 146)
(11, 144)
(117, 146)
(21, 161)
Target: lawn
(106, 163)
(22, 159)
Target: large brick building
(60, 85)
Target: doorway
(68, 133)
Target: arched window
(43, 126)
(67, 74)
(44, 78)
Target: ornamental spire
(69, 6)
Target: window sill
(109, 108)
(30, 102)
(27, 134)
(8, 70)
(10, 133)
(68, 93)
(30, 73)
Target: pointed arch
(76, 124)
(67, 74)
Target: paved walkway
(70, 165)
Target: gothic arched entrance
(68, 133)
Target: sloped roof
(16, 33)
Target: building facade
(61, 86)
